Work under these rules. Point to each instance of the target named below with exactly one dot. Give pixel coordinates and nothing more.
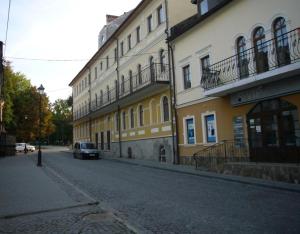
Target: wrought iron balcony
(275, 53)
(146, 82)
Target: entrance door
(274, 132)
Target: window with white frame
(149, 23)
(190, 131)
(165, 109)
(138, 34)
(160, 15)
(186, 77)
(209, 127)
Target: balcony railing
(272, 54)
(154, 74)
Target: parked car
(20, 147)
(85, 150)
(30, 147)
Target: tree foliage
(62, 119)
(21, 109)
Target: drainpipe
(90, 100)
(172, 93)
(117, 97)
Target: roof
(131, 16)
(194, 20)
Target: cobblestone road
(158, 201)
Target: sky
(55, 29)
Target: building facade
(121, 97)
(237, 69)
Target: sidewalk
(37, 200)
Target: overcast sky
(55, 29)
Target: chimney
(110, 18)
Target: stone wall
(155, 149)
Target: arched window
(260, 50)
(141, 115)
(281, 42)
(124, 120)
(131, 118)
(242, 57)
(165, 108)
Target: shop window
(190, 131)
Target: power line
(7, 23)
(76, 60)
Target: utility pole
(1, 88)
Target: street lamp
(41, 92)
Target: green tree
(21, 111)
(62, 119)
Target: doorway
(274, 132)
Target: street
(159, 201)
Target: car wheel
(97, 157)
(74, 156)
(82, 157)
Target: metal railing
(227, 150)
(153, 74)
(277, 52)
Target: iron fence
(277, 52)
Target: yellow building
(237, 66)
(121, 97)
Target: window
(124, 120)
(107, 62)
(281, 42)
(96, 99)
(260, 50)
(190, 131)
(139, 71)
(131, 118)
(116, 54)
(96, 73)
(85, 82)
(129, 42)
(141, 115)
(138, 34)
(160, 15)
(162, 60)
(203, 6)
(209, 128)
(122, 48)
(149, 23)
(205, 64)
(186, 77)
(242, 57)
(101, 66)
(166, 113)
